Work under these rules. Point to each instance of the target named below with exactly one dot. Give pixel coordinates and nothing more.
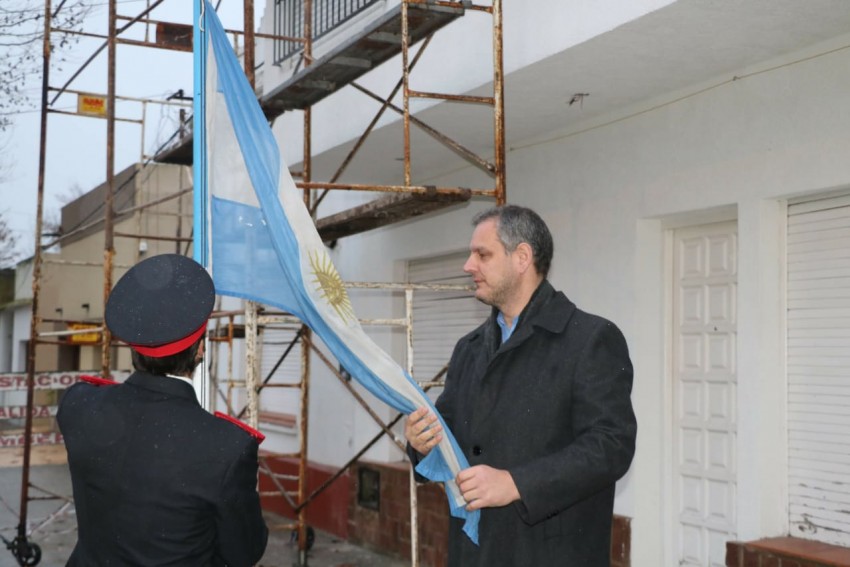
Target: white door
(819, 369)
(704, 392)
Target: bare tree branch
(8, 244)
(21, 36)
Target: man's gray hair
(515, 225)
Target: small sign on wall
(174, 36)
(92, 338)
(92, 105)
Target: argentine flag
(265, 247)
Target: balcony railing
(327, 16)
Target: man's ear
(524, 255)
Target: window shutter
(819, 369)
(274, 342)
(440, 318)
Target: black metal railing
(327, 16)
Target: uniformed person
(157, 479)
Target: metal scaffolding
(318, 79)
(394, 33)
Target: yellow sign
(83, 338)
(91, 104)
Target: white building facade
(691, 159)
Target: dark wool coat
(158, 480)
(552, 406)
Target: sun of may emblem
(330, 284)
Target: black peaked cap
(160, 300)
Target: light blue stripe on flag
(265, 248)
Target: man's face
(491, 266)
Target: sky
(76, 145)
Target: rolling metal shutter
(440, 318)
(819, 369)
(274, 342)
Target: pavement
(53, 527)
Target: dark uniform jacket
(552, 406)
(158, 480)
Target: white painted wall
(611, 192)
(6, 340)
(20, 332)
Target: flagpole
(200, 235)
(199, 135)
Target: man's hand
(422, 430)
(486, 487)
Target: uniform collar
(163, 385)
(182, 379)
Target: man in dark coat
(157, 479)
(538, 398)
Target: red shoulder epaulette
(251, 431)
(97, 381)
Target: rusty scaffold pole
(108, 214)
(499, 105)
(26, 552)
(405, 93)
(306, 333)
(405, 68)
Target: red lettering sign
(49, 380)
(19, 412)
(17, 440)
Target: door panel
(704, 385)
